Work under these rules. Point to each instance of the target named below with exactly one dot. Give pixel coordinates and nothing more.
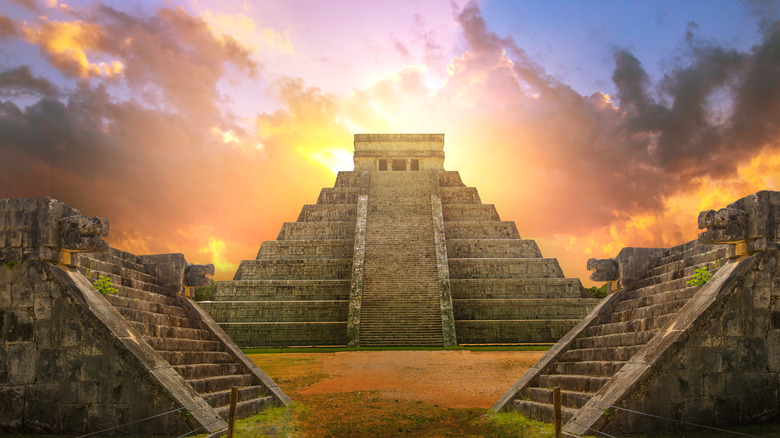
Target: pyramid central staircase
(400, 297)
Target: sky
(201, 126)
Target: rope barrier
(141, 420)
(665, 418)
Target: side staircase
(400, 297)
(636, 316)
(169, 324)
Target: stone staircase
(400, 297)
(503, 290)
(296, 291)
(178, 335)
(633, 317)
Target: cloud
(20, 81)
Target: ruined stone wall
(60, 369)
(735, 347)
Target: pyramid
(398, 252)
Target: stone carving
(604, 269)
(727, 225)
(81, 233)
(195, 275)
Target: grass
(528, 347)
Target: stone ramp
(400, 297)
(296, 292)
(689, 354)
(503, 290)
(178, 333)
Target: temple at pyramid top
(398, 252)
(399, 152)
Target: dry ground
(397, 393)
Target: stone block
(12, 406)
(41, 407)
(73, 417)
(5, 296)
(13, 238)
(42, 308)
(101, 416)
(21, 295)
(773, 344)
(3, 238)
(19, 326)
(47, 368)
(21, 363)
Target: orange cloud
(66, 45)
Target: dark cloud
(8, 27)
(20, 81)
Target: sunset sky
(201, 126)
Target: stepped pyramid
(144, 360)
(398, 252)
(660, 354)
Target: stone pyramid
(398, 252)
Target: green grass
(266, 350)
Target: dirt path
(395, 393)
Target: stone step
(202, 370)
(275, 334)
(586, 368)
(328, 213)
(247, 408)
(505, 268)
(652, 311)
(118, 300)
(267, 290)
(317, 231)
(467, 288)
(118, 281)
(88, 266)
(338, 195)
(637, 325)
(347, 178)
(573, 382)
(222, 398)
(512, 331)
(324, 269)
(459, 195)
(207, 385)
(655, 299)
(541, 411)
(114, 257)
(672, 286)
(165, 331)
(145, 317)
(569, 399)
(306, 249)
(148, 301)
(481, 230)
(146, 296)
(615, 340)
(470, 212)
(178, 344)
(272, 311)
(569, 308)
(492, 248)
(450, 178)
(605, 354)
(195, 357)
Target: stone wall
(62, 371)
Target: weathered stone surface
(604, 269)
(81, 233)
(195, 275)
(727, 225)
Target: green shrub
(104, 285)
(598, 292)
(205, 293)
(700, 277)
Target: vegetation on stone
(204, 293)
(597, 292)
(104, 285)
(700, 277)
